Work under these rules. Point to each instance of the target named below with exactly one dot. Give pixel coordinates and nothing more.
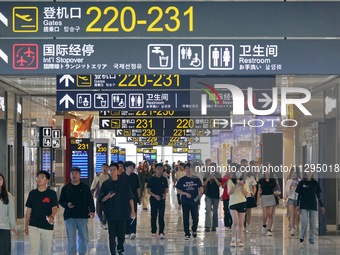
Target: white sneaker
(233, 243)
(263, 230)
(269, 233)
(161, 236)
(154, 235)
(292, 232)
(127, 236)
(227, 229)
(133, 236)
(240, 243)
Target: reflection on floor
(212, 243)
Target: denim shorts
(292, 202)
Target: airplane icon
(29, 52)
(21, 61)
(84, 78)
(24, 17)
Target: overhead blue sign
(106, 100)
(157, 81)
(168, 57)
(169, 18)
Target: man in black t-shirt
(132, 180)
(78, 202)
(157, 188)
(212, 182)
(118, 208)
(42, 206)
(190, 190)
(308, 191)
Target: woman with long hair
(267, 186)
(238, 190)
(144, 177)
(291, 196)
(7, 217)
(309, 191)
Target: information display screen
(81, 159)
(101, 156)
(80, 153)
(150, 158)
(194, 156)
(122, 154)
(114, 154)
(46, 160)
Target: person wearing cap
(118, 208)
(78, 202)
(42, 207)
(158, 188)
(191, 190)
(132, 179)
(179, 174)
(95, 187)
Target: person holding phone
(211, 183)
(78, 202)
(238, 190)
(118, 208)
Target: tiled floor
(212, 243)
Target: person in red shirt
(225, 198)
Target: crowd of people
(115, 193)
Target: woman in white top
(7, 217)
(238, 190)
(291, 196)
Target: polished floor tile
(212, 243)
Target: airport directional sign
(168, 124)
(108, 101)
(135, 19)
(163, 141)
(165, 57)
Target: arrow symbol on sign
(105, 123)
(267, 100)
(67, 78)
(3, 19)
(129, 139)
(119, 132)
(207, 132)
(4, 56)
(196, 139)
(104, 112)
(67, 99)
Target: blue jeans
(211, 202)
(71, 228)
(304, 222)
